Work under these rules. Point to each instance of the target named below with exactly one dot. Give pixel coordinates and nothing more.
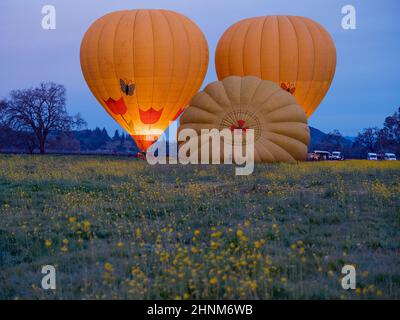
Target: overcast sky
(365, 89)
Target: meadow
(118, 228)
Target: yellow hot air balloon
(280, 126)
(295, 52)
(144, 66)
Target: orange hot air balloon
(295, 52)
(280, 126)
(144, 66)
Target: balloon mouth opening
(242, 120)
(143, 141)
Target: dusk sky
(365, 89)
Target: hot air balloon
(295, 52)
(144, 66)
(280, 126)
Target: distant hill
(320, 140)
(352, 139)
(317, 136)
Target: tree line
(35, 112)
(35, 119)
(372, 139)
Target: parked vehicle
(336, 155)
(372, 156)
(320, 155)
(312, 157)
(390, 156)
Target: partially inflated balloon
(144, 66)
(295, 52)
(280, 126)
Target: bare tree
(78, 122)
(367, 139)
(3, 126)
(3, 113)
(391, 128)
(40, 110)
(331, 141)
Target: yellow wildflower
(48, 243)
(214, 245)
(86, 225)
(217, 234)
(194, 250)
(109, 267)
(132, 283)
(253, 285)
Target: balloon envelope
(280, 126)
(295, 52)
(144, 66)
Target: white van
(372, 156)
(336, 155)
(390, 156)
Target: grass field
(118, 228)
